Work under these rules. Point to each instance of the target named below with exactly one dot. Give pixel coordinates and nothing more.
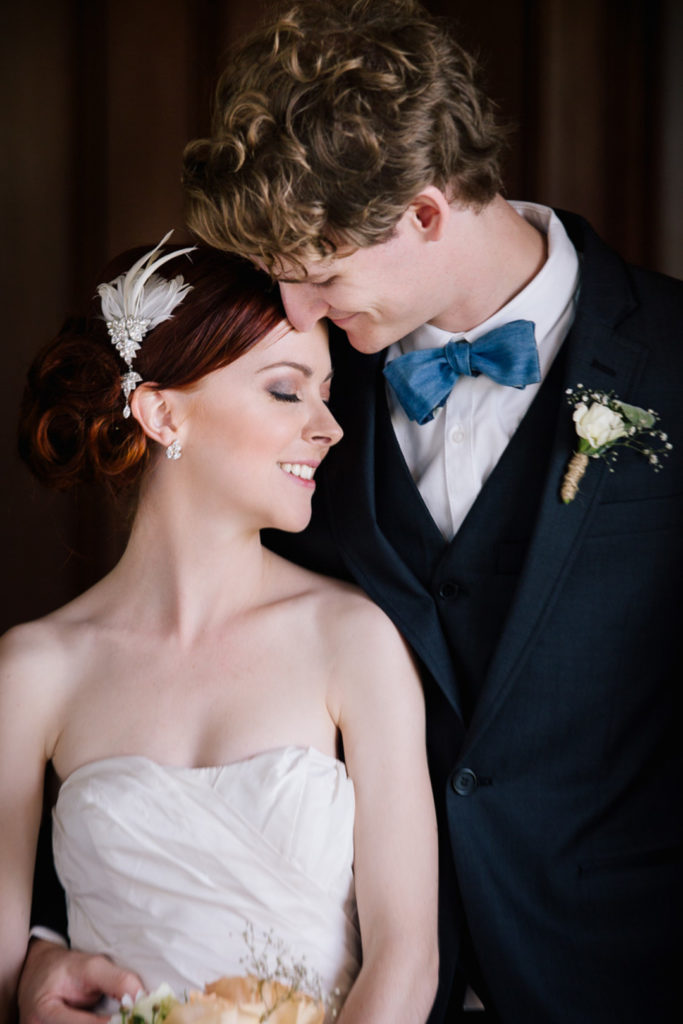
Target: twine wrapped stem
(573, 476)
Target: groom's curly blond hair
(328, 121)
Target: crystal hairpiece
(137, 301)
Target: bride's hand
(61, 986)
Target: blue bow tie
(423, 380)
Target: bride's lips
(300, 472)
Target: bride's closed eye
(283, 396)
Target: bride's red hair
(71, 427)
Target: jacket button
(464, 782)
(448, 590)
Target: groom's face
(376, 294)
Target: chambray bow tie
(423, 380)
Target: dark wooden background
(99, 97)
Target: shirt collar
(543, 301)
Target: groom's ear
(155, 412)
(430, 211)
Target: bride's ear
(154, 410)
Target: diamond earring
(174, 450)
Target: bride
(239, 742)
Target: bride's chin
(292, 523)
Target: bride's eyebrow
(301, 367)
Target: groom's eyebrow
(317, 275)
(309, 279)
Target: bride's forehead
(284, 336)
(283, 344)
(274, 336)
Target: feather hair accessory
(137, 301)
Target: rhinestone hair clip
(137, 301)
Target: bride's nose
(322, 427)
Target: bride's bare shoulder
(28, 648)
(33, 685)
(47, 648)
(359, 651)
(341, 613)
(41, 670)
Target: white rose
(149, 1008)
(599, 424)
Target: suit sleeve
(48, 907)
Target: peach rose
(247, 1001)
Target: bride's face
(255, 431)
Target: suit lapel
(601, 358)
(597, 354)
(352, 513)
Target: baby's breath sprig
(273, 963)
(603, 423)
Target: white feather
(137, 301)
(139, 292)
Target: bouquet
(242, 1000)
(275, 990)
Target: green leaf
(586, 448)
(640, 418)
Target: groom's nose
(303, 305)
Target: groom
(355, 157)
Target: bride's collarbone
(216, 703)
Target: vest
(473, 578)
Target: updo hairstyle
(72, 429)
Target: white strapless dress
(165, 868)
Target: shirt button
(464, 782)
(448, 590)
(457, 434)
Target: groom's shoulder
(654, 320)
(659, 297)
(643, 306)
(642, 290)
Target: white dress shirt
(451, 457)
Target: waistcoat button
(464, 782)
(448, 590)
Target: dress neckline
(272, 753)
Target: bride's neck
(186, 572)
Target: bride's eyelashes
(283, 396)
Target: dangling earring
(174, 450)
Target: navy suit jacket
(551, 638)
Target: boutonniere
(603, 423)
